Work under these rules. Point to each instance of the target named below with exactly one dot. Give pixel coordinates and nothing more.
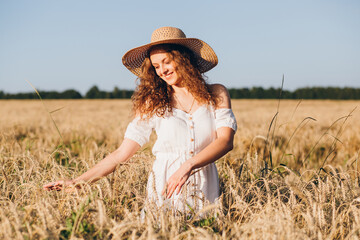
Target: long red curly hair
(153, 96)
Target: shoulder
(222, 94)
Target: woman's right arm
(106, 166)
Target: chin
(172, 81)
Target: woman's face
(164, 66)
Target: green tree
(93, 93)
(71, 94)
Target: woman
(193, 121)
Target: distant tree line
(235, 93)
(93, 93)
(300, 93)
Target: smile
(167, 76)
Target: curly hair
(153, 95)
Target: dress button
(191, 152)
(190, 118)
(192, 139)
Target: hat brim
(205, 55)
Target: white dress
(179, 137)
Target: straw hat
(206, 57)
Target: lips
(167, 76)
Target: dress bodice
(181, 132)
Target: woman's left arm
(215, 150)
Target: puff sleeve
(224, 117)
(139, 130)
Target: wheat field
(293, 174)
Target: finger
(169, 194)
(163, 192)
(54, 186)
(54, 183)
(171, 190)
(168, 190)
(175, 191)
(48, 185)
(181, 183)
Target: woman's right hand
(126, 150)
(59, 185)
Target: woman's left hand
(176, 181)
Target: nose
(163, 70)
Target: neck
(183, 99)
(181, 91)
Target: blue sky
(59, 45)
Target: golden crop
(293, 174)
